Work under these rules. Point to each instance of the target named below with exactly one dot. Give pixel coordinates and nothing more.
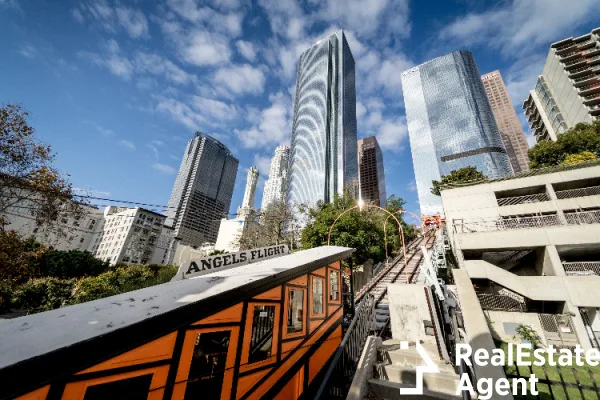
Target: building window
(81, 240)
(295, 318)
(208, 365)
(334, 286)
(317, 295)
(261, 341)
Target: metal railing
(584, 78)
(498, 302)
(582, 268)
(581, 192)
(583, 217)
(588, 87)
(530, 198)
(504, 223)
(340, 372)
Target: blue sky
(118, 87)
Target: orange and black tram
(259, 331)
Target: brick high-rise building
(370, 169)
(507, 121)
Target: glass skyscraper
(202, 192)
(450, 124)
(323, 158)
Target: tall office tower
(370, 168)
(323, 157)
(202, 192)
(507, 121)
(568, 91)
(276, 185)
(249, 193)
(450, 124)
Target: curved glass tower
(450, 124)
(323, 158)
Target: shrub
(42, 294)
(5, 296)
(95, 287)
(71, 264)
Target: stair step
(391, 390)
(440, 382)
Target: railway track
(398, 271)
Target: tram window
(132, 389)
(295, 318)
(207, 369)
(317, 295)
(261, 342)
(334, 286)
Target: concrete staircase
(396, 368)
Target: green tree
(360, 229)
(465, 174)
(217, 252)
(579, 139)
(71, 264)
(579, 157)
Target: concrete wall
(408, 310)
(496, 320)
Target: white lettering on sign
(206, 265)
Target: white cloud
(412, 186)
(263, 164)
(90, 192)
(127, 144)
(77, 15)
(215, 109)
(164, 168)
(246, 49)
(154, 145)
(241, 78)
(519, 25)
(274, 126)
(521, 77)
(390, 73)
(192, 11)
(391, 133)
(133, 21)
(180, 112)
(281, 13)
(204, 48)
(153, 64)
(28, 51)
(112, 60)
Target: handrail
(344, 360)
(581, 192)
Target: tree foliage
(579, 157)
(362, 230)
(275, 224)
(582, 138)
(28, 179)
(465, 174)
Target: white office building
(276, 185)
(133, 235)
(249, 193)
(528, 248)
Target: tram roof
(150, 312)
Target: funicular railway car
(260, 331)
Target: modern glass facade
(202, 192)
(323, 157)
(450, 124)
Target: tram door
(208, 366)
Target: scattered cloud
(520, 25)
(90, 192)
(180, 112)
(241, 78)
(273, 126)
(127, 144)
(263, 164)
(215, 109)
(154, 145)
(246, 49)
(412, 186)
(28, 51)
(226, 22)
(204, 48)
(156, 65)
(112, 59)
(164, 169)
(133, 21)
